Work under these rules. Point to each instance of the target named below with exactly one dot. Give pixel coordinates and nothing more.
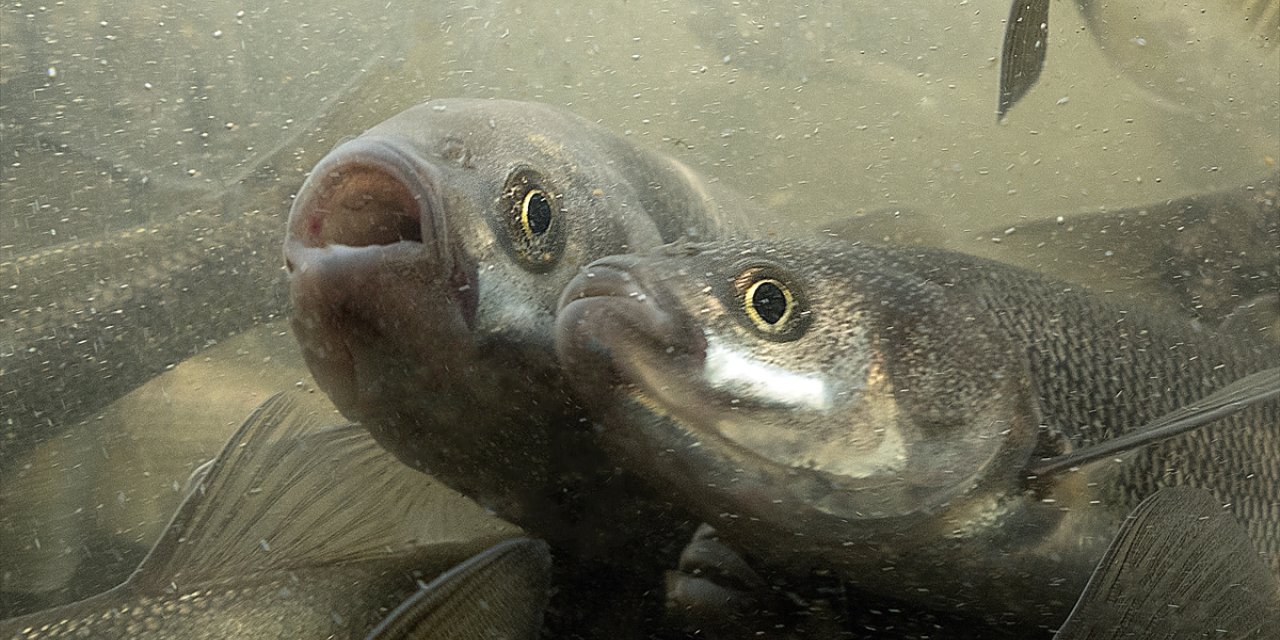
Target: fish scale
(1075, 350)
(956, 375)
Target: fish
(1160, 47)
(425, 258)
(1181, 566)
(88, 318)
(880, 409)
(1210, 256)
(1022, 56)
(286, 534)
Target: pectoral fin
(1180, 567)
(499, 593)
(1251, 389)
(285, 494)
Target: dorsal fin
(1251, 389)
(498, 593)
(1026, 40)
(1180, 567)
(268, 501)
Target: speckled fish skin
(885, 431)
(296, 604)
(283, 537)
(425, 259)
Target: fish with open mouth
(891, 415)
(425, 258)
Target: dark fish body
(425, 259)
(1211, 256)
(288, 535)
(876, 409)
(84, 323)
(427, 317)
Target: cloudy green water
(116, 116)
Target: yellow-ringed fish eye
(531, 216)
(535, 213)
(768, 302)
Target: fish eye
(529, 217)
(768, 303)
(772, 307)
(535, 213)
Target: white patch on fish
(733, 371)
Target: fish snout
(608, 320)
(371, 269)
(367, 192)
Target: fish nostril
(363, 205)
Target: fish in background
(890, 416)
(1213, 257)
(85, 321)
(425, 258)
(292, 531)
(1183, 52)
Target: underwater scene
(640, 319)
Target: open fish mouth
(370, 262)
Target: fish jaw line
(755, 384)
(664, 418)
(354, 305)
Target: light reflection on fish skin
(978, 357)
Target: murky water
(143, 145)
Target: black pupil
(537, 213)
(769, 302)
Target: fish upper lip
(605, 278)
(374, 192)
(613, 282)
(400, 186)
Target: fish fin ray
(1254, 388)
(500, 592)
(268, 500)
(1023, 54)
(1180, 564)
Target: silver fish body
(425, 259)
(874, 410)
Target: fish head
(425, 260)
(813, 392)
